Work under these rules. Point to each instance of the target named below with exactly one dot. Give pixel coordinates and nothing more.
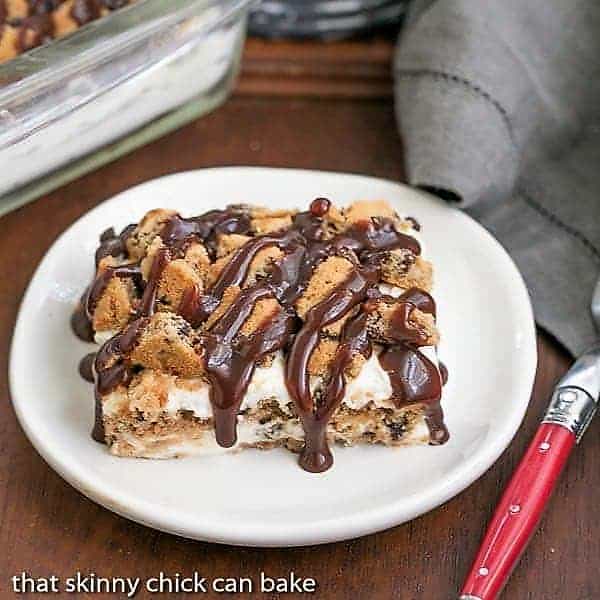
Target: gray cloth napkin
(498, 103)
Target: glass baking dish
(324, 19)
(81, 101)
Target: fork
(572, 407)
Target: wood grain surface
(49, 528)
(350, 69)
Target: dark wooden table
(323, 108)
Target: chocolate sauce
(98, 432)
(86, 367)
(316, 456)
(101, 282)
(237, 269)
(320, 207)
(416, 380)
(192, 306)
(415, 224)
(113, 368)
(148, 301)
(112, 244)
(230, 370)
(419, 299)
(111, 365)
(231, 358)
(443, 372)
(196, 308)
(80, 324)
(403, 329)
(231, 364)
(369, 239)
(179, 232)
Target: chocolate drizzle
(80, 324)
(112, 244)
(403, 330)
(316, 456)
(86, 367)
(148, 301)
(113, 368)
(443, 372)
(230, 357)
(230, 365)
(81, 320)
(414, 378)
(178, 232)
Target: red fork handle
(519, 512)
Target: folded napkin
(498, 104)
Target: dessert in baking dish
(25, 24)
(247, 327)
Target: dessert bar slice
(26, 24)
(246, 327)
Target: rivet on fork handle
(572, 408)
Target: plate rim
(361, 523)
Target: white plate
(263, 498)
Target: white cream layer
(371, 385)
(101, 337)
(268, 383)
(249, 434)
